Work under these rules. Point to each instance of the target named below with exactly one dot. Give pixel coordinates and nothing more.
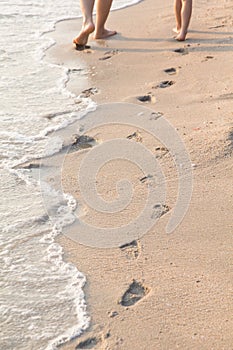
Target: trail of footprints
(149, 97)
(136, 290)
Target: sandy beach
(160, 291)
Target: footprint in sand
(29, 165)
(131, 249)
(144, 98)
(134, 293)
(89, 92)
(147, 98)
(81, 142)
(146, 178)
(230, 139)
(149, 181)
(89, 343)
(135, 136)
(108, 55)
(170, 71)
(155, 116)
(226, 96)
(161, 151)
(183, 50)
(207, 58)
(164, 84)
(160, 210)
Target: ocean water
(42, 303)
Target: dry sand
(183, 281)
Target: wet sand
(160, 291)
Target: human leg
(102, 12)
(177, 10)
(186, 13)
(88, 25)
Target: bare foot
(181, 36)
(105, 33)
(86, 30)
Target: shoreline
(183, 280)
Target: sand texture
(160, 291)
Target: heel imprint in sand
(147, 98)
(144, 98)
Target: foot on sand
(134, 293)
(181, 36)
(104, 34)
(82, 38)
